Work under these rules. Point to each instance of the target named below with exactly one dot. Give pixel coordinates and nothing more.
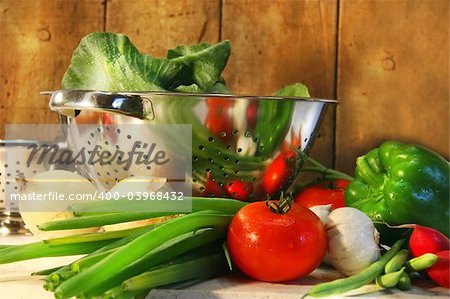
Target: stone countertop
(16, 283)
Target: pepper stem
(282, 206)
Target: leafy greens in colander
(110, 62)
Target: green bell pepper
(402, 184)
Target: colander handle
(67, 102)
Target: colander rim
(192, 95)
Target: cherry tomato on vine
(212, 188)
(279, 172)
(239, 190)
(329, 192)
(219, 118)
(276, 243)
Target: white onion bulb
(137, 184)
(59, 183)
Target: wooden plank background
(387, 61)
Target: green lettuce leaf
(110, 62)
(293, 90)
(205, 63)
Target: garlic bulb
(322, 211)
(54, 183)
(352, 240)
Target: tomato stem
(282, 206)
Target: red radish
(426, 240)
(440, 271)
(240, 190)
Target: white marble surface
(16, 283)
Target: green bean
(42, 249)
(135, 249)
(404, 283)
(203, 267)
(46, 271)
(397, 262)
(166, 252)
(366, 276)
(198, 204)
(420, 263)
(390, 280)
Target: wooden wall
(387, 61)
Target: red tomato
(440, 271)
(212, 188)
(279, 172)
(276, 247)
(323, 193)
(218, 119)
(252, 115)
(239, 190)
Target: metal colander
(233, 137)
(13, 167)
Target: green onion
(99, 236)
(87, 261)
(46, 271)
(97, 220)
(42, 249)
(167, 251)
(203, 267)
(126, 240)
(124, 207)
(135, 249)
(119, 293)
